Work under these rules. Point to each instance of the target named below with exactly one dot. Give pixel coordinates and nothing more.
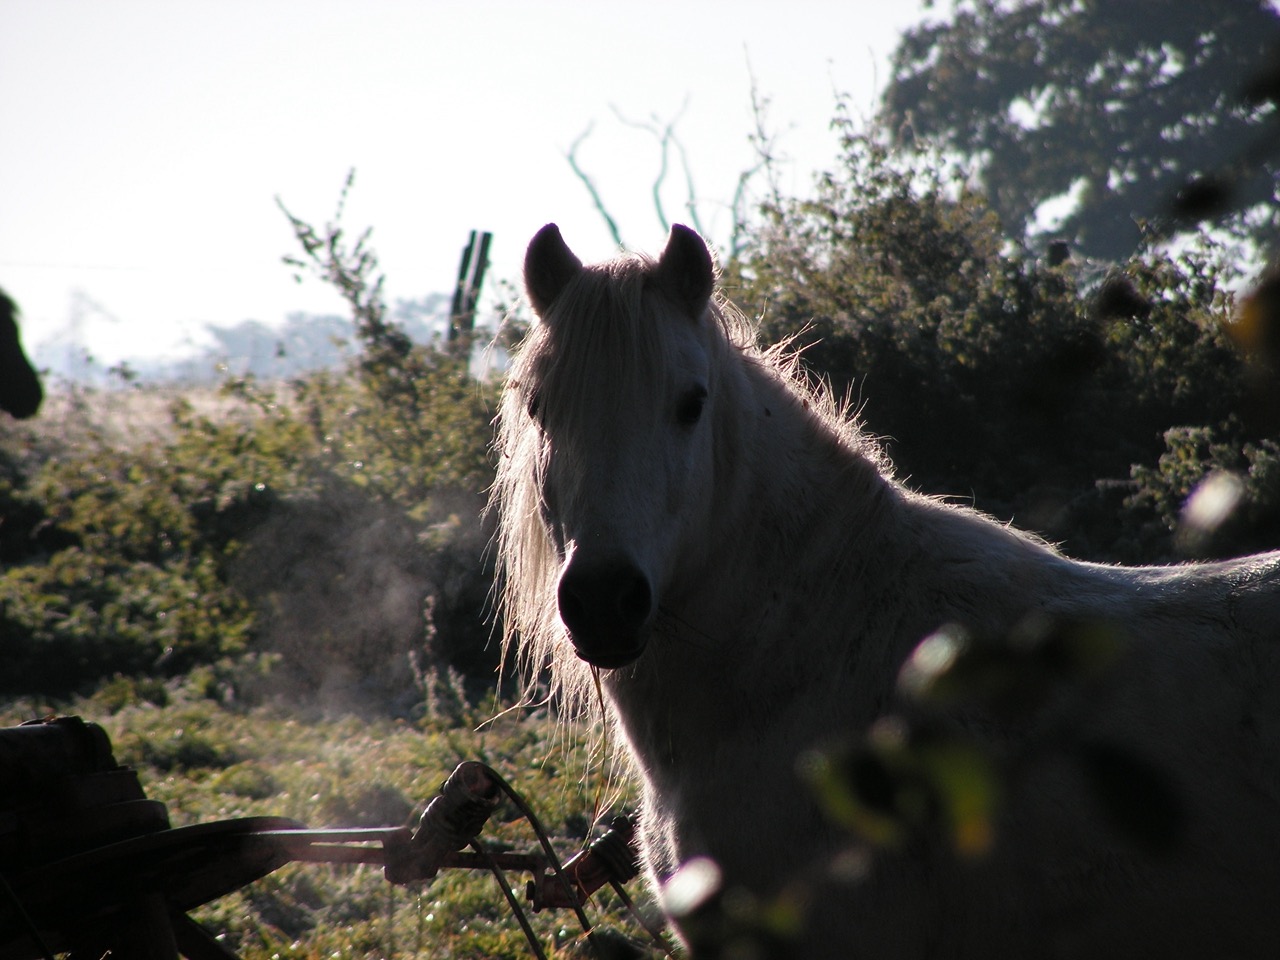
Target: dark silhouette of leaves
(1146, 110)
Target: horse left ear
(685, 270)
(549, 265)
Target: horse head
(20, 390)
(619, 384)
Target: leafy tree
(1127, 103)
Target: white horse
(682, 514)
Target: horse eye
(690, 408)
(534, 405)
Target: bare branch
(691, 199)
(764, 144)
(572, 157)
(665, 135)
(762, 141)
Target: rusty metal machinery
(89, 865)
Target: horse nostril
(572, 609)
(635, 600)
(603, 600)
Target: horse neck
(816, 507)
(808, 473)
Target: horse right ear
(686, 271)
(549, 265)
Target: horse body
(716, 734)
(732, 556)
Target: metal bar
(350, 835)
(331, 846)
(528, 862)
(475, 281)
(460, 289)
(333, 853)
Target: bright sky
(144, 141)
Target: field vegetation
(209, 759)
(274, 598)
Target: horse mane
(611, 308)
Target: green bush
(1031, 388)
(134, 581)
(1209, 461)
(329, 527)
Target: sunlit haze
(145, 142)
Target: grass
(209, 758)
(208, 761)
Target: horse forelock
(604, 340)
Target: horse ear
(685, 269)
(549, 265)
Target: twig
(572, 157)
(665, 136)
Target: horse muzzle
(607, 607)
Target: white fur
(794, 575)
